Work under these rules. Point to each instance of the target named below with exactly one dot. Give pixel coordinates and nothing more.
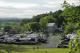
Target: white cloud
(16, 5)
(28, 8)
(76, 2)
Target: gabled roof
(50, 24)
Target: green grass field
(46, 50)
(49, 50)
(31, 49)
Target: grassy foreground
(30, 49)
(49, 50)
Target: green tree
(45, 20)
(43, 23)
(74, 45)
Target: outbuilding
(51, 27)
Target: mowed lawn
(30, 49)
(49, 50)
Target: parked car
(32, 38)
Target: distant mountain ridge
(10, 20)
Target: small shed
(51, 27)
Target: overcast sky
(28, 8)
